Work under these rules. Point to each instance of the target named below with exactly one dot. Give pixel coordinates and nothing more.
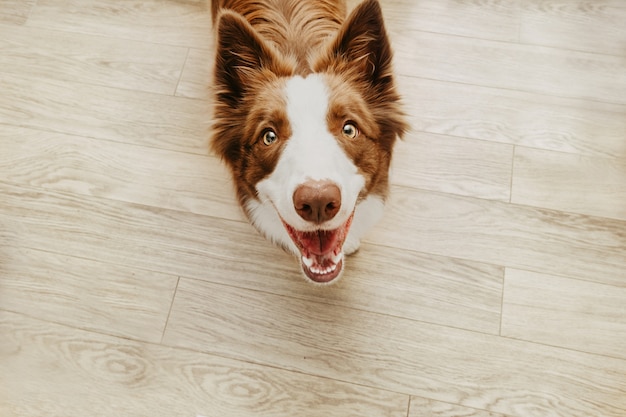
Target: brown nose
(317, 201)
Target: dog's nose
(317, 201)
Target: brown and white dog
(306, 115)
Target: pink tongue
(320, 242)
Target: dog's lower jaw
(350, 246)
(328, 277)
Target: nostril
(331, 209)
(304, 210)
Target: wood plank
(455, 366)
(86, 294)
(52, 370)
(130, 173)
(180, 23)
(587, 185)
(476, 19)
(196, 79)
(97, 60)
(390, 281)
(421, 407)
(453, 165)
(519, 118)
(565, 312)
(529, 68)
(127, 116)
(596, 26)
(15, 12)
(535, 239)
(421, 287)
(139, 236)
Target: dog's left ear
(241, 53)
(242, 56)
(362, 44)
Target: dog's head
(310, 143)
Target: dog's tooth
(322, 270)
(338, 257)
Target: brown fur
(260, 43)
(294, 27)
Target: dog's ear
(362, 49)
(362, 44)
(241, 53)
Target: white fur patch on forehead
(307, 100)
(313, 148)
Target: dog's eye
(269, 137)
(349, 130)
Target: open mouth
(321, 251)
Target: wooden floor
(130, 284)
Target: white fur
(312, 153)
(368, 213)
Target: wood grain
(503, 234)
(140, 236)
(440, 363)
(180, 23)
(596, 26)
(420, 287)
(195, 81)
(515, 117)
(476, 19)
(534, 69)
(565, 312)
(91, 59)
(423, 407)
(447, 291)
(136, 174)
(587, 185)
(453, 165)
(71, 373)
(86, 294)
(125, 116)
(15, 12)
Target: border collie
(306, 114)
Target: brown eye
(269, 137)
(349, 130)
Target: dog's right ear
(241, 54)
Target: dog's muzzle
(318, 202)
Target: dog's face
(310, 146)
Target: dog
(306, 114)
